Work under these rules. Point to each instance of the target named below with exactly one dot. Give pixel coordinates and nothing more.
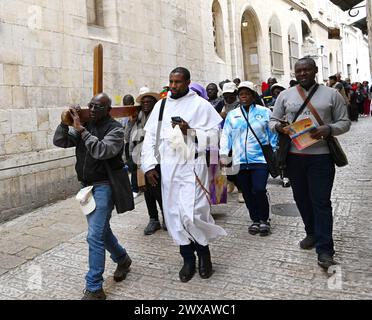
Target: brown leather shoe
(122, 269)
(94, 295)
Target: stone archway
(250, 35)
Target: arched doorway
(250, 32)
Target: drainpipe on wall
(233, 34)
(369, 24)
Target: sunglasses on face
(96, 106)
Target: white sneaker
(230, 187)
(240, 197)
(135, 195)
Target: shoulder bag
(267, 151)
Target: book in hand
(300, 133)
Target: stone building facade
(46, 63)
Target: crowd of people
(357, 95)
(167, 145)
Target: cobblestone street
(43, 254)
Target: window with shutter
(294, 48)
(218, 30)
(95, 12)
(276, 47)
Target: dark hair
(212, 84)
(186, 73)
(222, 83)
(128, 97)
(334, 78)
(308, 60)
(293, 83)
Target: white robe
(185, 204)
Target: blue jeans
(253, 183)
(100, 237)
(312, 179)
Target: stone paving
(43, 255)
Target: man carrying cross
(100, 139)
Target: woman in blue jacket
(247, 154)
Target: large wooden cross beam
(98, 70)
(116, 111)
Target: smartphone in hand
(176, 119)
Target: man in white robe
(184, 174)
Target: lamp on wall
(245, 24)
(321, 49)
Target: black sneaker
(122, 269)
(308, 242)
(94, 295)
(152, 227)
(254, 228)
(264, 228)
(325, 260)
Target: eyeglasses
(96, 106)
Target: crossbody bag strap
(306, 99)
(250, 127)
(311, 108)
(157, 142)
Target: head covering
(145, 91)
(164, 92)
(229, 87)
(277, 85)
(199, 89)
(247, 84)
(86, 200)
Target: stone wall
(33, 180)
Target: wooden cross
(98, 70)
(116, 111)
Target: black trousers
(153, 195)
(253, 185)
(312, 179)
(187, 251)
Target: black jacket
(100, 142)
